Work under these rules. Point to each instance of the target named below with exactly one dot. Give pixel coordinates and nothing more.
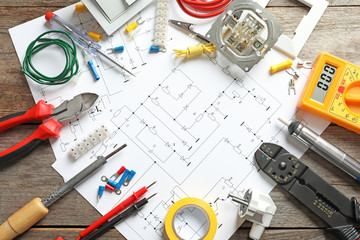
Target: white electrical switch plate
(112, 14)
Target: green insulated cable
(71, 67)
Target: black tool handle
(346, 232)
(13, 154)
(356, 207)
(45, 131)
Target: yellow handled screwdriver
(37, 208)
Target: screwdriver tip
(284, 121)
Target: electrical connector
(161, 24)
(258, 208)
(89, 142)
(118, 49)
(281, 66)
(129, 177)
(134, 28)
(305, 64)
(100, 192)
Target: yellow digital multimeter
(333, 91)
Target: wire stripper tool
(311, 190)
(47, 129)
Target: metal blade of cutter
(78, 104)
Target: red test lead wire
(207, 9)
(124, 204)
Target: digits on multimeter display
(323, 83)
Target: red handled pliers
(46, 130)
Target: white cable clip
(258, 208)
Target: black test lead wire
(106, 226)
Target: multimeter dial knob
(352, 97)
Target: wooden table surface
(338, 32)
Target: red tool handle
(39, 112)
(135, 196)
(46, 130)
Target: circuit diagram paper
(191, 125)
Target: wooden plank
(37, 3)
(332, 3)
(340, 38)
(242, 233)
(33, 176)
(65, 233)
(336, 35)
(15, 94)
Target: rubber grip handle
(46, 130)
(346, 232)
(23, 219)
(39, 112)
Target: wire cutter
(47, 129)
(311, 190)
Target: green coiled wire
(71, 66)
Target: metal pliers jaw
(307, 187)
(69, 108)
(46, 130)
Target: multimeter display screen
(323, 83)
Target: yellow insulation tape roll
(190, 203)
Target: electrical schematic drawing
(194, 131)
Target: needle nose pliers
(47, 129)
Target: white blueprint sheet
(192, 126)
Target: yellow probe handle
(23, 219)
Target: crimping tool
(311, 190)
